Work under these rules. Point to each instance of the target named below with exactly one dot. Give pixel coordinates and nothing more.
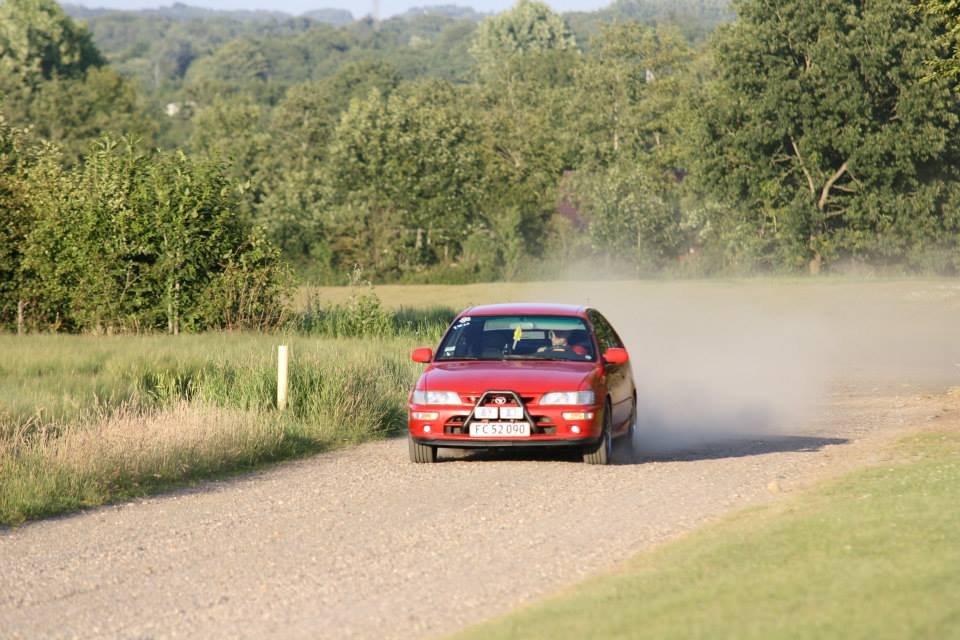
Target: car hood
(521, 376)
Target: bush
(135, 242)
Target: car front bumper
(450, 427)
(491, 443)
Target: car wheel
(626, 440)
(600, 453)
(421, 452)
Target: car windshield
(517, 338)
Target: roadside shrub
(140, 242)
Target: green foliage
(234, 132)
(629, 95)
(17, 156)
(630, 220)
(52, 78)
(405, 167)
(39, 42)
(798, 138)
(947, 63)
(138, 242)
(695, 19)
(300, 130)
(361, 315)
(529, 27)
(833, 147)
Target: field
(578, 290)
(86, 420)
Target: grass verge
(87, 420)
(874, 555)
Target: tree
(412, 160)
(821, 134)
(630, 219)
(39, 42)
(947, 64)
(235, 131)
(529, 27)
(300, 130)
(74, 112)
(627, 93)
(18, 154)
(529, 142)
(53, 78)
(89, 255)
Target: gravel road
(361, 543)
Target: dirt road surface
(361, 543)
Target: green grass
(875, 555)
(86, 420)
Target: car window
(517, 337)
(606, 336)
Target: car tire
(600, 452)
(421, 453)
(626, 440)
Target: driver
(559, 343)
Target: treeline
(174, 51)
(439, 146)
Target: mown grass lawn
(874, 555)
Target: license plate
(499, 429)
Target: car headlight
(568, 397)
(435, 397)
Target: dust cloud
(762, 358)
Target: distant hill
(335, 17)
(179, 11)
(453, 11)
(78, 11)
(695, 18)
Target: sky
(361, 8)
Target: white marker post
(282, 356)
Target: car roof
(525, 309)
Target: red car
(530, 375)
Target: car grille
(541, 425)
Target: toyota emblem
(500, 400)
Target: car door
(619, 377)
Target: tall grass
(130, 453)
(362, 314)
(84, 419)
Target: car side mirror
(616, 355)
(423, 354)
